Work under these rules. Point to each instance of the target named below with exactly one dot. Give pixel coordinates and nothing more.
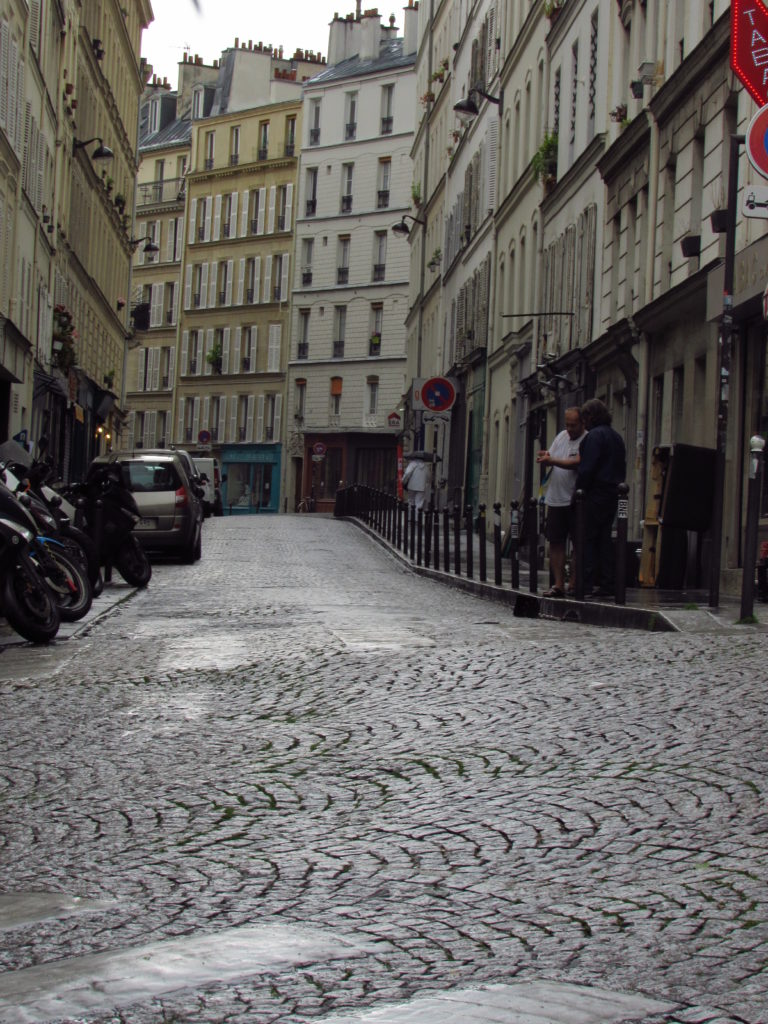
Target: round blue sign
(438, 394)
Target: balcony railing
(209, 163)
(311, 207)
(306, 277)
(262, 152)
(196, 299)
(187, 433)
(278, 293)
(234, 159)
(201, 233)
(269, 432)
(249, 295)
(281, 222)
(169, 190)
(378, 271)
(169, 316)
(222, 298)
(193, 366)
(241, 433)
(386, 126)
(214, 432)
(382, 198)
(225, 229)
(303, 350)
(164, 381)
(342, 275)
(351, 130)
(246, 364)
(290, 149)
(254, 225)
(346, 204)
(314, 136)
(338, 349)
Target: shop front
(252, 482)
(334, 460)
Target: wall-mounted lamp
(636, 87)
(401, 229)
(466, 110)
(101, 152)
(691, 245)
(149, 247)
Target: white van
(209, 471)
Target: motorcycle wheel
(132, 563)
(88, 548)
(69, 584)
(28, 604)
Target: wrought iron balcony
(314, 136)
(338, 349)
(342, 275)
(311, 207)
(346, 204)
(378, 271)
(306, 277)
(386, 126)
(350, 131)
(234, 159)
(303, 350)
(382, 200)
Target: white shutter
(271, 217)
(256, 277)
(196, 418)
(278, 416)
(207, 368)
(233, 216)
(156, 371)
(129, 428)
(244, 215)
(184, 353)
(146, 437)
(208, 211)
(216, 218)
(241, 283)
(212, 282)
(200, 352)
(192, 218)
(268, 280)
(153, 428)
(253, 346)
(222, 425)
(259, 418)
(13, 65)
(273, 353)
(284, 280)
(171, 373)
(249, 418)
(142, 361)
(150, 367)
(236, 350)
(262, 205)
(169, 426)
(170, 242)
(141, 231)
(179, 239)
(206, 412)
(5, 46)
(233, 420)
(492, 151)
(188, 288)
(225, 350)
(175, 305)
(204, 286)
(180, 424)
(156, 306)
(288, 206)
(230, 275)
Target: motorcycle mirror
(55, 501)
(25, 500)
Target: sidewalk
(112, 594)
(646, 608)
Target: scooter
(27, 601)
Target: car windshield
(148, 477)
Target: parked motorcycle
(27, 602)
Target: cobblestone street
(298, 733)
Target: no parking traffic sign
(757, 141)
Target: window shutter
(206, 412)
(175, 305)
(244, 215)
(262, 205)
(183, 369)
(288, 205)
(146, 435)
(142, 362)
(141, 230)
(492, 156)
(171, 372)
(188, 288)
(196, 417)
(236, 366)
(233, 216)
(169, 426)
(212, 275)
(268, 280)
(13, 66)
(156, 370)
(230, 275)
(170, 242)
(225, 349)
(180, 425)
(5, 46)
(256, 277)
(278, 416)
(129, 428)
(217, 218)
(208, 212)
(204, 286)
(192, 217)
(208, 369)
(259, 419)
(222, 418)
(249, 418)
(233, 420)
(273, 353)
(253, 346)
(179, 239)
(241, 283)
(156, 306)
(271, 217)
(150, 367)
(284, 281)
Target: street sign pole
(724, 371)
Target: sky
(211, 28)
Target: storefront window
(326, 474)
(249, 485)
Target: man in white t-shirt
(563, 457)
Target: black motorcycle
(27, 602)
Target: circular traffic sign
(757, 141)
(438, 394)
(204, 436)
(319, 448)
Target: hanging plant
(544, 163)
(213, 358)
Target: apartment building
(346, 374)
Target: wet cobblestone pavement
(299, 734)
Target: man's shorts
(559, 523)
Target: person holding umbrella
(416, 481)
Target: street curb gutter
(528, 605)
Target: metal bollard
(412, 517)
(436, 538)
(756, 446)
(399, 525)
(419, 535)
(622, 516)
(514, 542)
(446, 540)
(470, 549)
(533, 545)
(457, 540)
(481, 536)
(578, 545)
(428, 536)
(497, 543)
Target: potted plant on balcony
(427, 98)
(544, 163)
(109, 184)
(416, 194)
(375, 340)
(109, 379)
(552, 9)
(120, 202)
(213, 358)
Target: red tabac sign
(749, 47)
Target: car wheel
(189, 554)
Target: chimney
(370, 35)
(342, 39)
(410, 28)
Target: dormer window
(197, 104)
(154, 115)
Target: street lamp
(101, 152)
(401, 229)
(467, 110)
(149, 247)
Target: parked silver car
(169, 501)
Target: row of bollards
(444, 539)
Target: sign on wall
(749, 47)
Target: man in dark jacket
(602, 468)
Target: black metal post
(724, 371)
(533, 545)
(514, 542)
(457, 540)
(419, 535)
(578, 545)
(428, 536)
(497, 543)
(470, 548)
(446, 540)
(436, 538)
(413, 532)
(481, 538)
(756, 446)
(622, 517)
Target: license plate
(147, 524)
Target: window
(303, 350)
(300, 398)
(346, 187)
(263, 139)
(592, 87)
(269, 417)
(342, 266)
(387, 94)
(311, 191)
(574, 94)
(373, 395)
(210, 139)
(376, 322)
(336, 388)
(314, 122)
(307, 251)
(280, 265)
(384, 178)
(350, 129)
(339, 330)
(379, 255)
(290, 136)
(197, 104)
(234, 145)
(284, 194)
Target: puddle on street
(22, 908)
